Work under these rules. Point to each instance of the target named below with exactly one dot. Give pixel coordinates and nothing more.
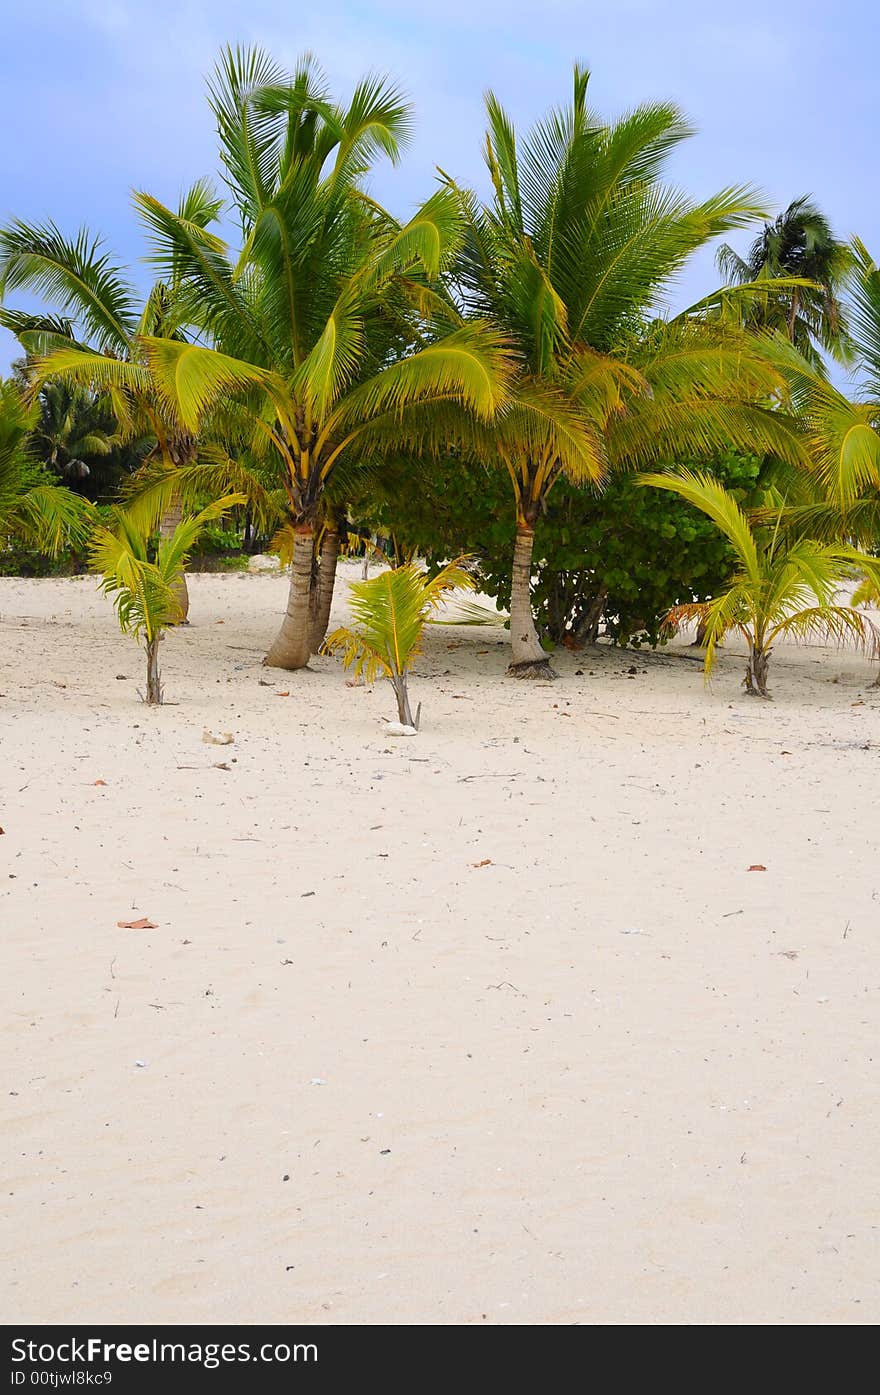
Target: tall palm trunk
(292, 648)
(172, 516)
(323, 600)
(527, 659)
(154, 686)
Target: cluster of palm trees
(327, 340)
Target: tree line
(497, 377)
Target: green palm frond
(191, 379)
(144, 590)
(712, 499)
(152, 490)
(782, 586)
(864, 315)
(73, 274)
(392, 610)
(34, 509)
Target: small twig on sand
(490, 775)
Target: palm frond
(72, 273)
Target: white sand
(494, 1101)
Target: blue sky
(99, 96)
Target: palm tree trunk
(792, 315)
(167, 524)
(154, 686)
(324, 592)
(587, 631)
(527, 658)
(755, 681)
(401, 692)
(291, 648)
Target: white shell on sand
(399, 729)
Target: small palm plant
(393, 609)
(146, 588)
(779, 586)
(35, 510)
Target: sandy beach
(493, 1025)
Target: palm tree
(93, 336)
(842, 432)
(146, 589)
(393, 609)
(781, 586)
(71, 431)
(326, 331)
(34, 509)
(799, 244)
(571, 259)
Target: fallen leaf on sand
(221, 765)
(99, 782)
(757, 867)
(142, 924)
(487, 862)
(287, 694)
(225, 738)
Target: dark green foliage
(639, 550)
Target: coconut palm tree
(799, 244)
(34, 509)
(73, 432)
(392, 610)
(781, 586)
(325, 328)
(145, 587)
(842, 431)
(92, 338)
(572, 258)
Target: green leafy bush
(630, 553)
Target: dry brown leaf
(142, 924)
(487, 862)
(757, 867)
(287, 694)
(100, 782)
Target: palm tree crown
(324, 328)
(573, 257)
(800, 244)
